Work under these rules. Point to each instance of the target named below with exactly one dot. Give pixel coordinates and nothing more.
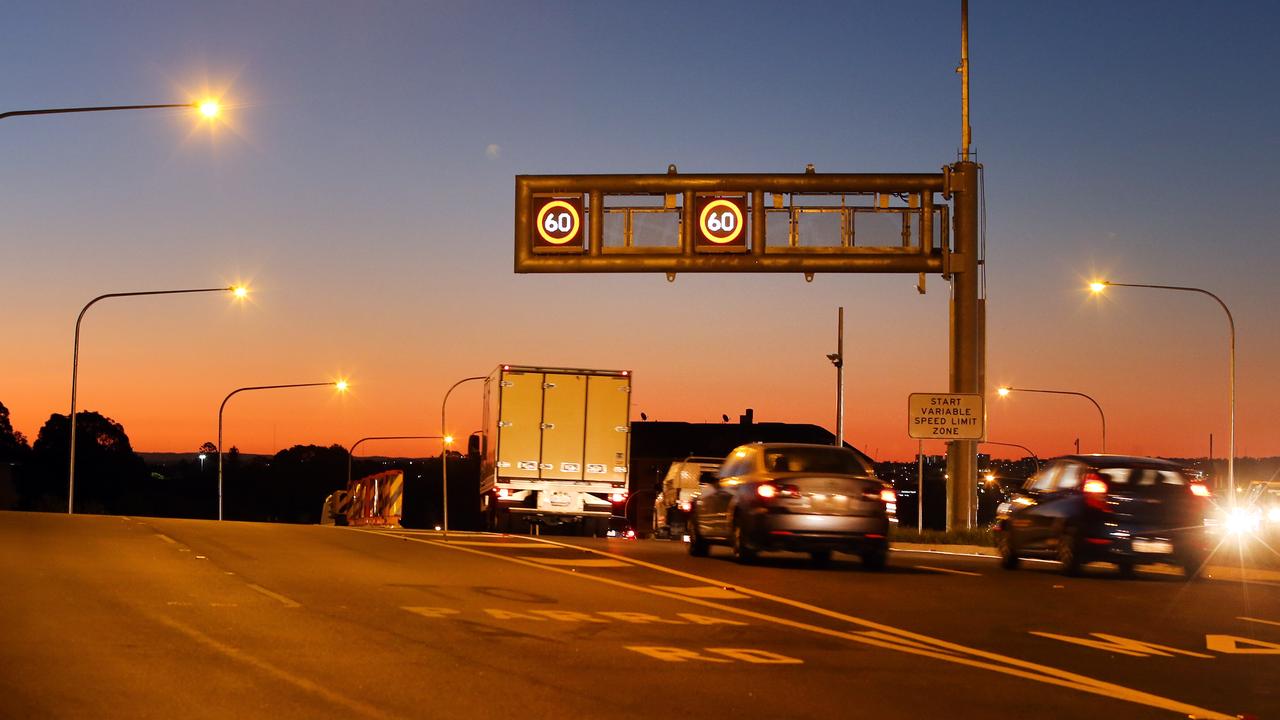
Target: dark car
(800, 498)
(1125, 510)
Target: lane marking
(1259, 620)
(1232, 645)
(297, 681)
(524, 545)
(710, 592)
(275, 596)
(1122, 645)
(972, 657)
(574, 562)
(166, 538)
(747, 655)
(949, 571)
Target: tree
(13, 445)
(106, 466)
(208, 449)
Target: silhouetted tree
(14, 452)
(106, 466)
(208, 449)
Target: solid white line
(1259, 620)
(275, 596)
(166, 538)
(946, 570)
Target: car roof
(1099, 460)
(790, 446)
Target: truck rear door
(607, 423)
(520, 413)
(564, 404)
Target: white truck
(555, 447)
(680, 488)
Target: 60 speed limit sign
(720, 224)
(557, 224)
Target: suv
(804, 498)
(1114, 508)
(679, 489)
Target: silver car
(800, 498)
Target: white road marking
(949, 571)
(578, 562)
(710, 592)
(486, 543)
(275, 596)
(1259, 620)
(166, 538)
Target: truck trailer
(555, 447)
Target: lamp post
(1098, 286)
(1004, 391)
(837, 359)
(208, 108)
(356, 444)
(239, 291)
(444, 452)
(340, 386)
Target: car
(793, 497)
(1116, 508)
(679, 489)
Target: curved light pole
(1003, 391)
(208, 108)
(238, 290)
(356, 444)
(1099, 286)
(1023, 448)
(340, 386)
(444, 452)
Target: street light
(1098, 286)
(340, 386)
(208, 108)
(444, 452)
(1004, 392)
(239, 291)
(355, 445)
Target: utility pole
(837, 359)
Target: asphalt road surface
(112, 617)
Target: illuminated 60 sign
(721, 224)
(557, 225)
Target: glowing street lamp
(238, 291)
(340, 386)
(1005, 390)
(444, 452)
(1098, 286)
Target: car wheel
(1127, 570)
(741, 552)
(1192, 564)
(821, 558)
(1008, 553)
(698, 546)
(1069, 551)
(875, 558)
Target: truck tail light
(617, 497)
(503, 493)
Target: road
(115, 617)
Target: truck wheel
(698, 546)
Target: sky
(361, 181)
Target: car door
(716, 499)
(1060, 505)
(1028, 523)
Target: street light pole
(238, 291)
(1023, 448)
(207, 107)
(1098, 287)
(1006, 390)
(837, 359)
(341, 386)
(444, 452)
(352, 451)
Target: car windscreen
(813, 460)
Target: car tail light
(769, 491)
(888, 496)
(1095, 492)
(1200, 490)
(686, 506)
(631, 534)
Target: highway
(125, 617)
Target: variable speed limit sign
(720, 223)
(946, 416)
(558, 225)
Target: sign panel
(946, 416)
(557, 226)
(721, 224)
